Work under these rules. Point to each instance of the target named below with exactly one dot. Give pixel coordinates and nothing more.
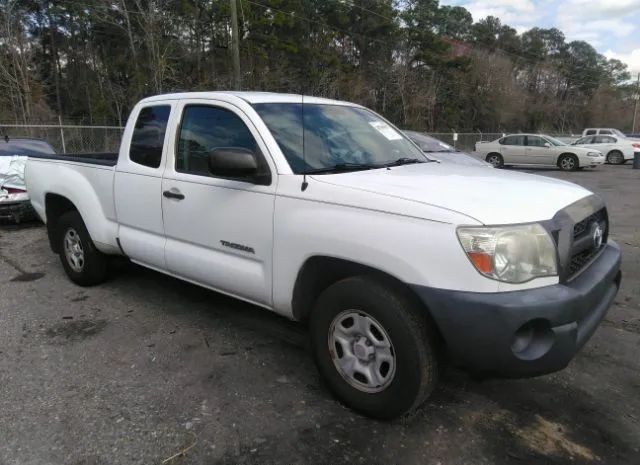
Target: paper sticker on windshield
(386, 130)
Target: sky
(611, 26)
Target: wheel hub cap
(73, 250)
(361, 351)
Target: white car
(396, 263)
(14, 199)
(617, 150)
(537, 150)
(605, 132)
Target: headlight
(594, 154)
(513, 254)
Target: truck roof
(250, 97)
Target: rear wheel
(495, 159)
(615, 157)
(568, 162)
(374, 347)
(84, 264)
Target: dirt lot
(144, 366)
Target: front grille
(583, 248)
(580, 227)
(580, 260)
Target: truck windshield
(336, 138)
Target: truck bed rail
(98, 158)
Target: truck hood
(490, 196)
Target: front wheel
(568, 162)
(374, 347)
(495, 159)
(84, 264)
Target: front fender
(412, 250)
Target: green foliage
(422, 65)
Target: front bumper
(530, 332)
(17, 211)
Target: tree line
(423, 65)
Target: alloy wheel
(567, 163)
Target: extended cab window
(148, 136)
(205, 128)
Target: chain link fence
(466, 141)
(69, 138)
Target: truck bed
(86, 180)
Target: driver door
(219, 231)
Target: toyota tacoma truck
(324, 212)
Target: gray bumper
(525, 333)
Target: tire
(615, 157)
(387, 315)
(495, 159)
(84, 264)
(568, 162)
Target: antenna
(305, 184)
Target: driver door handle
(173, 194)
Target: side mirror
(547, 144)
(233, 162)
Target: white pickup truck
(325, 213)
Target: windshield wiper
(405, 161)
(342, 168)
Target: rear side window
(148, 136)
(603, 140)
(205, 128)
(590, 132)
(535, 141)
(513, 140)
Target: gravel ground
(137, 369)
